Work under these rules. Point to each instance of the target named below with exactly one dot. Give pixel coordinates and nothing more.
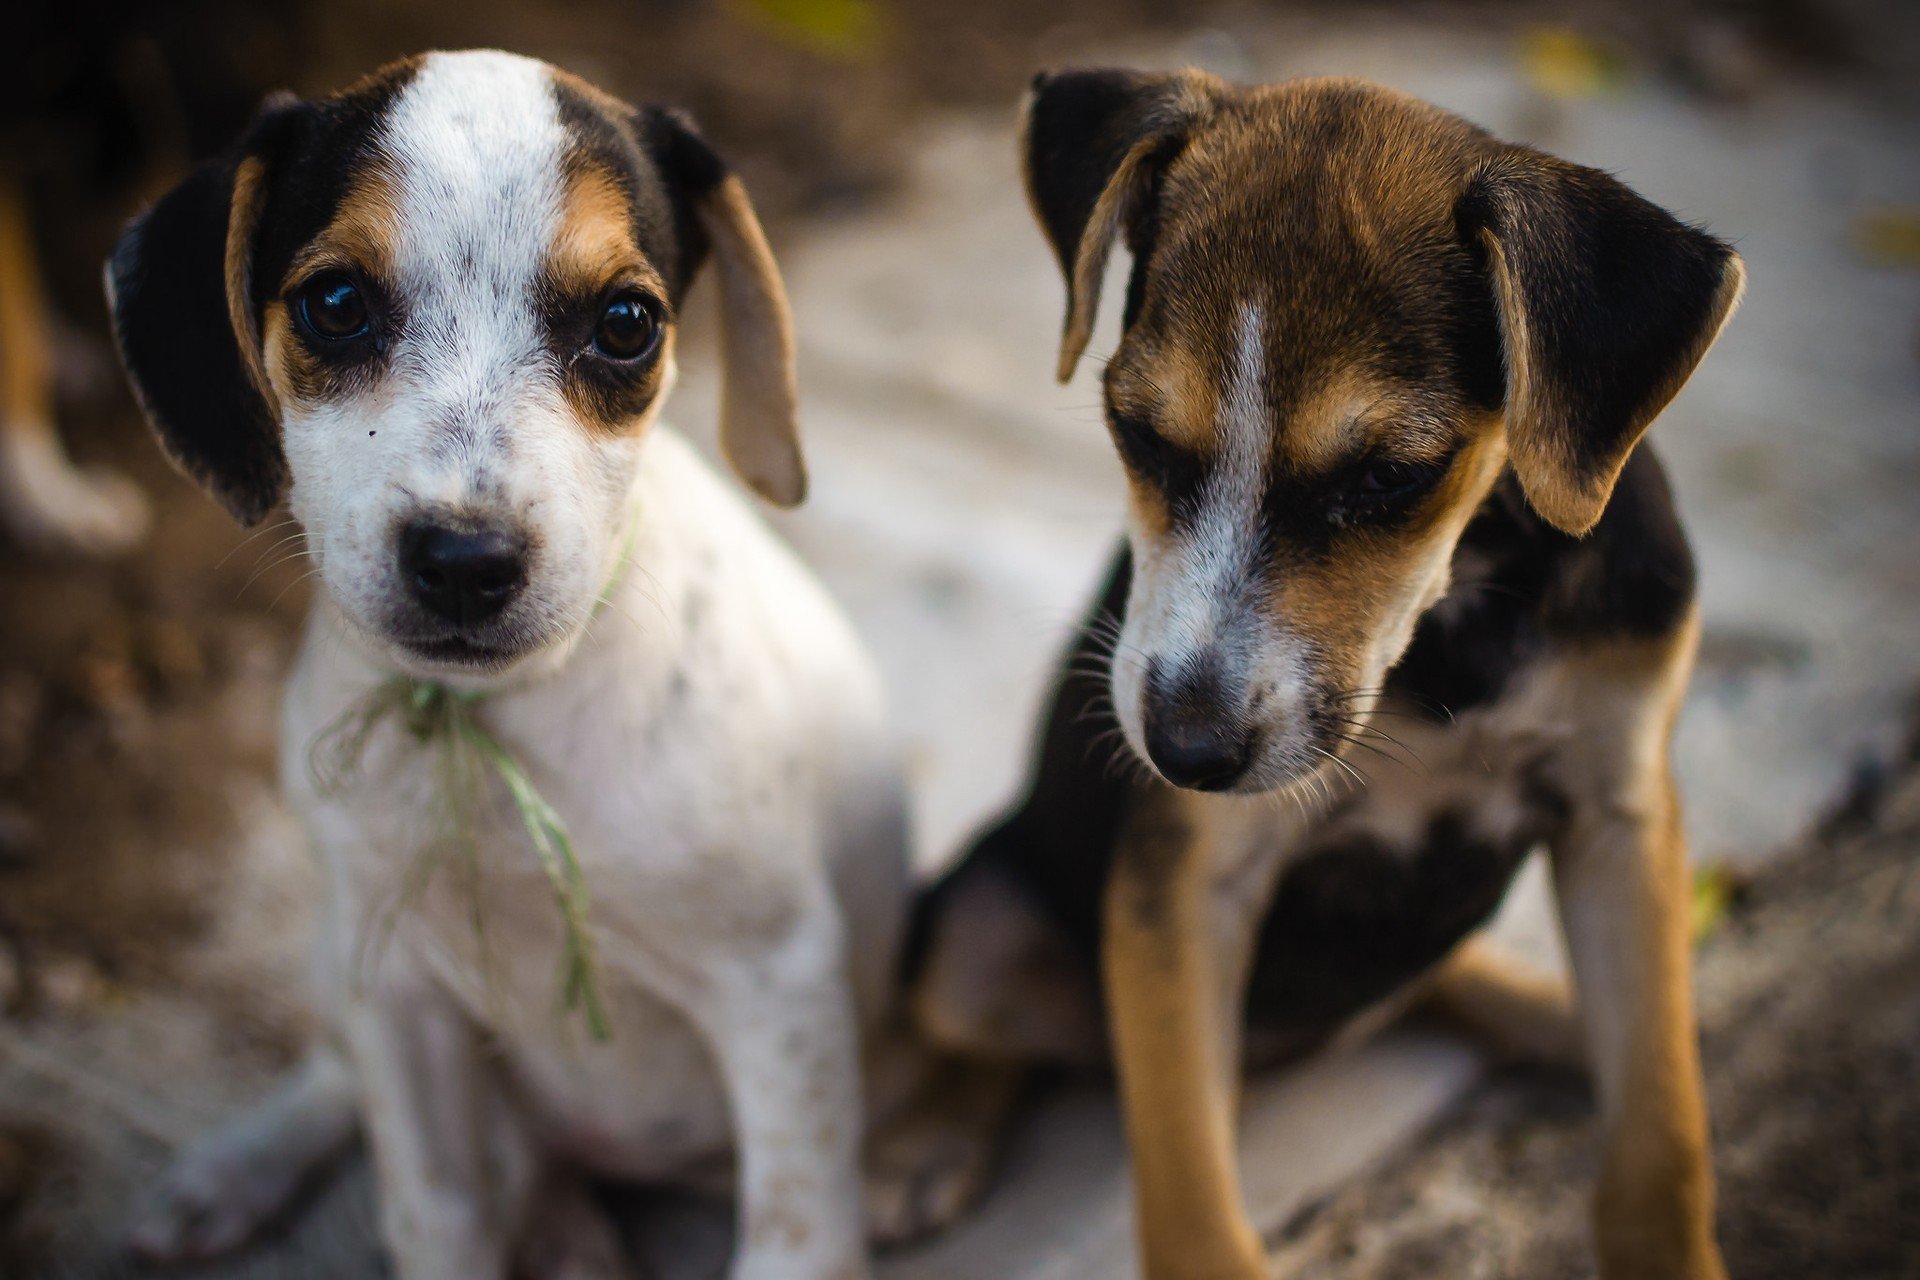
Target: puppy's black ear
(759, 415)
(180, 285)
(1606, 304)
(1092, 144)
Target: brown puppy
(1401, 600)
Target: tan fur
(1171, 1047)
(243, 220)
(594, 250)
(759, 427)
(360, 239)
(959, 1001)
(1621, 876)
(1523, 1014)
(26, 371)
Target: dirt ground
(137, 711)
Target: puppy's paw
(210, 1202)
(47, 503)
(922, 1172)
(569, 1237)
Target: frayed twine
(446, 720)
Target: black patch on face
(1171, 470)
(341, 369)
(614, 391)
(690, 170)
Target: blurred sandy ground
(153, 891)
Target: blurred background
(154, 893)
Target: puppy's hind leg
(1524, 1014)
(993, 992)
(236, 1179)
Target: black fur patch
(1352, 922)
(690, 170)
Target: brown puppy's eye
(333, 308)
(628, 328)
(1390, 478)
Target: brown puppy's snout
(1194, 732)
(464, 576)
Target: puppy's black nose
(1192, 730)
(1202, 756)
(463, 576)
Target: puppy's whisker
(306, 577)
(267, 568)
(251, 538)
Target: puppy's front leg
(1164, 997)
(452, 1171)
(782, 1024)
(1620, 872)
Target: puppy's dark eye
(332, 307)
(628, 328)
(1392, 478)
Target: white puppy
(436, 312)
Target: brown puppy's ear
(1092, 144)
(1606, 304)
(759, 422)
(180, 286)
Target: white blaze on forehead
(1234, 490)
(475, 147)
(1213, 558)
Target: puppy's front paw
(922, 1172)
(569, 1237)
(209, 1203)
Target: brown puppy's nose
(1192, 737)
(464, 576)
(1203, 757)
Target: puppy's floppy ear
(1092, 144)
(759, 424)
(1606, 304)
(180, 286)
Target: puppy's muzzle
(1194, 735)
(466, 577)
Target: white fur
(713, 738)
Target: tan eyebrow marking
(363, 235)
(593, 240)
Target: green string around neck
(438, 717)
